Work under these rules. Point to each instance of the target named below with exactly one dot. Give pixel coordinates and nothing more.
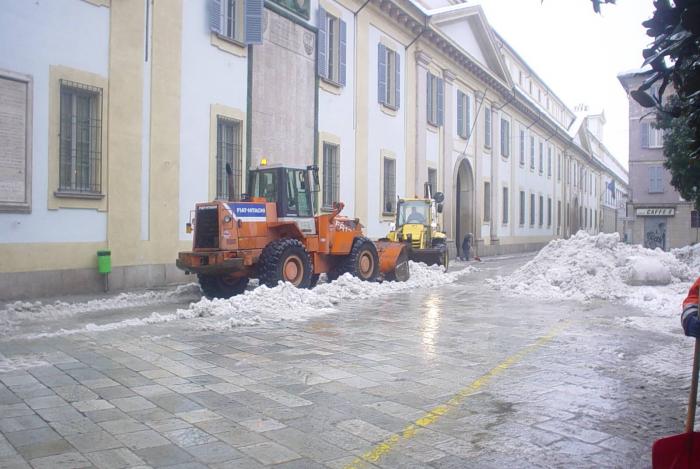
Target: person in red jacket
(689, 317)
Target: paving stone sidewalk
(347, 389)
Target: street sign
(656, 212)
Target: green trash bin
(104, 261)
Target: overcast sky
(577, 52)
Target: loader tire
(362, 261)
(222, 286)
(314, 280)
(285, 260)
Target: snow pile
(689, 255)
(284, 302)
(587, 267)
(21, 311)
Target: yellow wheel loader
(417, 227)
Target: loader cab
(290, 188)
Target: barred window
(331, 175)
(694, 219)
(80, 137)
(228, 150)
(389, 205)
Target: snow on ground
(282, 303)
(599, 267)
(21, 312)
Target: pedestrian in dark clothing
(466, 245)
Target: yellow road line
(433, 415)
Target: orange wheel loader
(272, 234)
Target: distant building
(658, 216)
(122, 115)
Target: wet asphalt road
(459, 376)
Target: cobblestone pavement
(456, 377)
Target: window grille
(80, 138)
(228, 150)
(331, 175)
(389, 202)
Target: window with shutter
(389, 64)
(505, 138)
(532, 209)
(253, 21)
(440, 101)
(487, 201)
(487, 127)
(644, 134)
(532, 152)
(549, 212)
(521, 215)
(541, 210)
(332, 39)
(460, 114)
(382, 73)
(505, 206)
(231, 20)
(541, 148)
(522, 147)
(549, 161)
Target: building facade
(657, 214)
(116, 121)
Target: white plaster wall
(384, 132)
(209, 76)
(336, 116)
(31, 40)
(461, 32)
(432, 149)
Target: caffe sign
(656, 212)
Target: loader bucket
(393, 261)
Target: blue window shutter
(487, 126)
(460, 114)
(381, 73)
(321, 54)
(215, 16)
(468, 123)
(644, 131)
(429, 99)
(253, 21)
(343, 52)
(440, 101)
(398, 79)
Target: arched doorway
(464, 203)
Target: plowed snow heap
(586, 267)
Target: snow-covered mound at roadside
(587, 267)
(285, 302)
(21, 311)
(689, 255)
